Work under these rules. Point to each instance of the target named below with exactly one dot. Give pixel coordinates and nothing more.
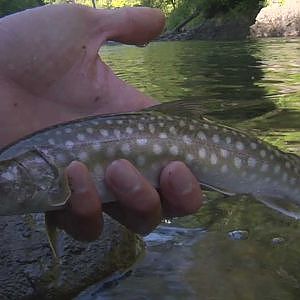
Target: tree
(11, 6)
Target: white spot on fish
(110, 151)
(83, 156)
(237, 162)
(51, 141)
(288, 165)
(157, 149)
(267, 179)
(151, 128)
(142, 141)
(125, 148)
(90, 130)
(240, 146)
(174, 150)
(253, 146)
(224, 153)
(213, 159)
(161, 124)
(181, 123)
(95, 122)
(141, 160)
(68, 130)
(104, 132)
(80, 137)
(163, 135)
(117, 133)
(58, 132)
(202, 153)
(61, 157)
(284, 177)
(201, 135)
(189, 158)
(129, 130)
(191, 127)
(216, 138)
(187, 140)
(262, 153)
(69, 144)
(224, 169)
(224, 130)
(172, 130)
(277, 169)
(228, 139)
(109, 122)
(206, 126)
(98, 170)
(120, 122)
(251, 162)
(140, 126)
(96, 146)
(264, 167)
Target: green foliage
(176, 10)
(211, 8)
(11, 6)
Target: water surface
(234, 248)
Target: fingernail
(77, 176)
(122, 177)
(182, 183)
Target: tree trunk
(187, 20)
(94, 4)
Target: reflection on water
(234, 248)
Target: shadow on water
(234, 247)
(221, 76)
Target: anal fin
(51, 230)
(281, 205)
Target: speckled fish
(32, 170)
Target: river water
(233, 248)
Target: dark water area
(234, 247)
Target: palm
(58, 69)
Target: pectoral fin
(281, 205)
(51, 230)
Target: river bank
(274, 20)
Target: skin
(50, 72)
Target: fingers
(83, 217)
(180, 190)
(131, 25)
(139, 205)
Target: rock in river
(28, 270)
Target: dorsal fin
(180, 108)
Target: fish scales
(32, 177)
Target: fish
(32, 177)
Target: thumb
(131, 25)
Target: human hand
(50, 72)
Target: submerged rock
(278, 20)
(28, 270)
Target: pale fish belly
(220, 157)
